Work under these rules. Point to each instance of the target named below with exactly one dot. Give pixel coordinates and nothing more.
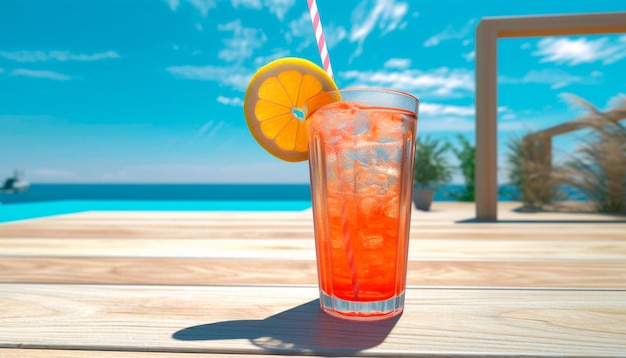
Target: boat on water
(15, 184)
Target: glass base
(362, 311)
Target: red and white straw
(350, 254)
(319, 35)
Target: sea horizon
(45, 192)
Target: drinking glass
(361, 158)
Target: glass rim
(390, 98)
(367, 89)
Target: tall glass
(361, 157)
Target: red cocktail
(361, 149)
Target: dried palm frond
(600, 168)
(532, 173)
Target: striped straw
(319, 35)
(350, 254)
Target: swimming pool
(33, 210)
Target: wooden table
(188, 284)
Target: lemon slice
(274, 105)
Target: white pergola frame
(488, 31)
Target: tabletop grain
(176, 284)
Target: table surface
(187, 284)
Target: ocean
(188, 192)
(163, 192)
(43, 200)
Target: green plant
(431, 165)
(531, 172)
(467, 162)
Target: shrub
(431, 165)
(467, 162)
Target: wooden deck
(144, 284)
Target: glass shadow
(302, 329)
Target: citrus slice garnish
(274, 105)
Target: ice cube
(371, 240)
(391, 208)
(368, 206)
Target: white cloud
(469, 56)
(252, 4)
(400, 63)
(203, 6)
(199, 27)
(442, 109)
(438, 82)
(450, 34)
(47, 173)
(232, 101)
(276, 54)
(509, 116)
(203, 73)
(334, 34)
(62, 56)
(436, 117)
(173, 4)
(554, 77)
(512, 126)
(506, 113)
(569, 51)
(301, 27)
(301, 30)
(436, 123)
(51, 75)
(233, 77)
(1, 70)
(276, 7)
(243, 42)
(387, 15)
(279, 7)
(618, 100)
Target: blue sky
(151, 91)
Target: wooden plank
(173, 271)
(64, 353)
(526, 231)
(187, 248)
(165, 271)
(419, 249)
(287, 320)
(445, 218)
(486, 102)
(558, 25)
